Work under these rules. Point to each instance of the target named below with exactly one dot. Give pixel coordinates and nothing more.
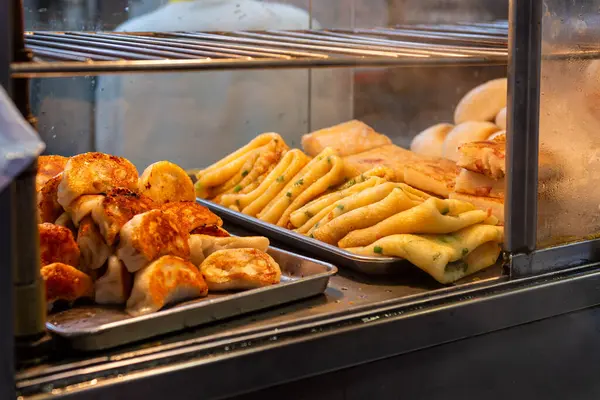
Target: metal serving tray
(324, 251)
(97, 327)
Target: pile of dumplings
(368, 214)
(140, 241)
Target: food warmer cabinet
(506, 333)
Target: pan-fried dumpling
(151, 235)
(202, 246)
(239, 269)
(48, 168)
(95, 173)
(116, 208)
(83, 206)
(164, 182)
(191, 215)
(66, 283)
(94, 250)
(47, 200)
(210, 230)
(57, 245)
(115, 285)
(165, 281)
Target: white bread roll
(465, 133)
(482, 103)
(430, 142)
(501, 119)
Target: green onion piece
(289, 194)
(378, 250)
(280, 179)
(245, 173)
(340, 207)
(237, 189)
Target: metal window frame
(525, 58)
(522, 170)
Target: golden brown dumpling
(57, 245)
(165, 281)
(114, 286)
(165, 182)
(149, 236)
(67, 283)
(237, 269)
(95, 173)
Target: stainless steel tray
(97, 327)
(324, 251)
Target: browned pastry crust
(486, 157)
(191, 215)
(116, 209)
(95, 173)
(436, 176)
(210, 230)
(57, 245)
(64, 282)
(235, 269)
(49, 167)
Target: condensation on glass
(569, 185)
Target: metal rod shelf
(89, 53)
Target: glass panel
(569, 190)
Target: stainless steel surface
(61, 53)
(99, 327)
(381, 331)
(522, 145)
(321, 250)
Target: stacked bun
(478, 132)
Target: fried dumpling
(191, 215)
(165, 182)
(47, 200)
(118, 207)
(115, 285)
(94, 250)
(48, 168)
(57, 245)
(150, 235)
(239, 269)
(66, 283)
(65, 221)
(165, 281)
(95, 173)
(83, 206)
(202, 246)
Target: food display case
(348, 317)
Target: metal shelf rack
(87, 53)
